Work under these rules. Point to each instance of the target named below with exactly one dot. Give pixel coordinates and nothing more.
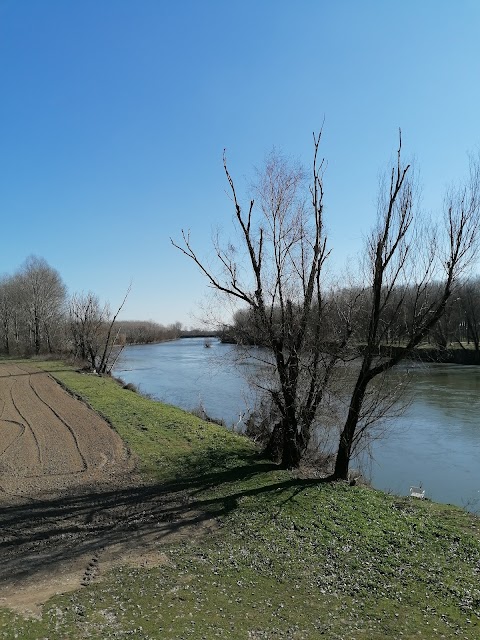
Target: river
(436, 442)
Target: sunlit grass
(170, 443)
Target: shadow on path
(45, 533)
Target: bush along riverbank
(288, 557)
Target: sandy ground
(71, 503)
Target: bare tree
(280, 282)
(86, 320)
(93, 331)
(401, 252)
(43, 294)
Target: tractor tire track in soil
(31, 432)
(60, 437)
(69, 427)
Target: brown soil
(71, 504)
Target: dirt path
(71, 504)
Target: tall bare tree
(44, 294)
(280, 282)
(412, 271)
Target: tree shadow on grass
(48, 533)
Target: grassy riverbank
(289, 559)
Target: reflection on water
(436, 442)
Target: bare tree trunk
(6, 342)
(16, 331)
(344, 451)
(275, 446)
(49, 340)
(36, 333)
(292, 449)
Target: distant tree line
(458, 328)
(147, 331)
(37, 316)
(200, 333)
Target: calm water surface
(436, 442)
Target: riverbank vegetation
(406, 287)
(290, 557)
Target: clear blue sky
(114, 115)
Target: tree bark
(274, 449)
(344, 451)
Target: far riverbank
(462, 356)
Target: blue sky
(114, 115)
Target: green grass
(291, 559)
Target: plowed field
(49, 441)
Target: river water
(436, 442)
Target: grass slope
(291, 559)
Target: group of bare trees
(325, 344)
(412, 269)
(32, 309)
(37, 316)
(458, 328)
